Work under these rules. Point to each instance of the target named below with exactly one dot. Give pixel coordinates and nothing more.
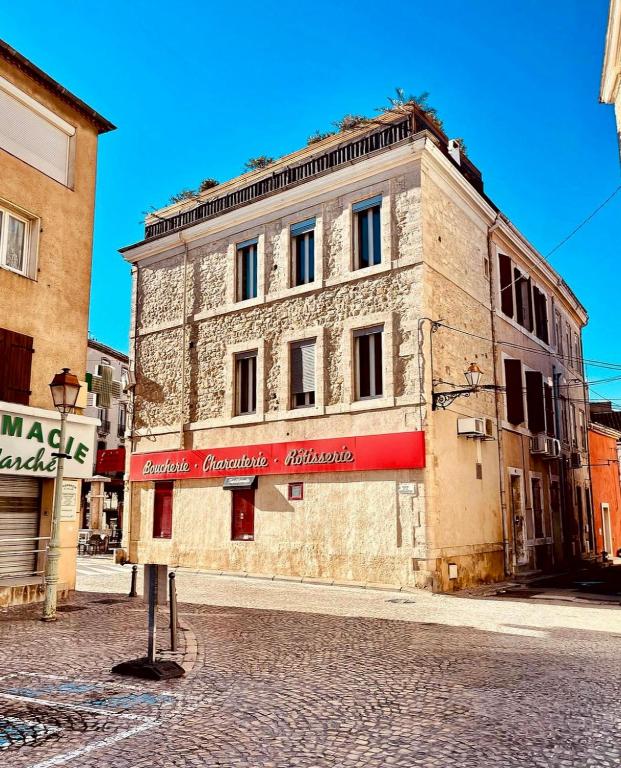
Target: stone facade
(442, 526)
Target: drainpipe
(497, 395)
(587, 419)
(183, 341)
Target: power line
(588, 218)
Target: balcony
(379, 136)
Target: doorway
(606, 528)
(517, 515)
(242, 519)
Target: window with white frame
(303, 252)
(246, 383)
(367, 232)
(303, 373)
(247, 270)
(14, 232)
(368, 362)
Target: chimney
(454, 150)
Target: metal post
(53, 552)
(132, 591)
(173, 611)
(152, 570)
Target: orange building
(604, 445)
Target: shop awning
(241, 481)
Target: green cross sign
(104, 386)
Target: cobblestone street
(283, 675)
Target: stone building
(48, 154)
(300, 338)
(610, 89)
(605, 461)
(108, 378)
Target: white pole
(53, 551)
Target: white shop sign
(69, 500)
(29, 437)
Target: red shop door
(242, 528)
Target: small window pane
(16, 237)
(369, 365)
(369, 245)
(246, 384)
(247, 272)
(304, 252)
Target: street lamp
(473, 376)
(65, 388)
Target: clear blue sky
(197, 88)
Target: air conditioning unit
(489, 429)
(539, 445)
(554, 447)
(575, 461)
(471, 428)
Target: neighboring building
(291, 334)
(48, 154)
(107, 376)
(610, 90)
(605, 452)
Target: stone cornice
(611, 70)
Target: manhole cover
(400, 600)
(108, 601)
(70, 608)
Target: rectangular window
(582, 430)
(303, 252)
(369, 365)
(541, 314)
(515, 396)
(122, 422)
(506, 284)
(574, 431)
(565, 420)
(303, 374)
(558, 334)
(246, 382)
(537, 508)
(162, 510)
(15, 366)
(33, 133)
(247, 270)
(535, 401)
(14, 232)
(549, 404)
(367, 232)
(523, 300)
(242, 517)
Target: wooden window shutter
(549, 401)
(506, 289)
(15, 367)
(535, 401)
(515, 399)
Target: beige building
(48, 156)
(300, 337)
(610, 91)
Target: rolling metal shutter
(31, 137)
(19, 526)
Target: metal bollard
(132, 591)
(173, 611)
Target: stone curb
(317, 581)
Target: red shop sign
(400, 450)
